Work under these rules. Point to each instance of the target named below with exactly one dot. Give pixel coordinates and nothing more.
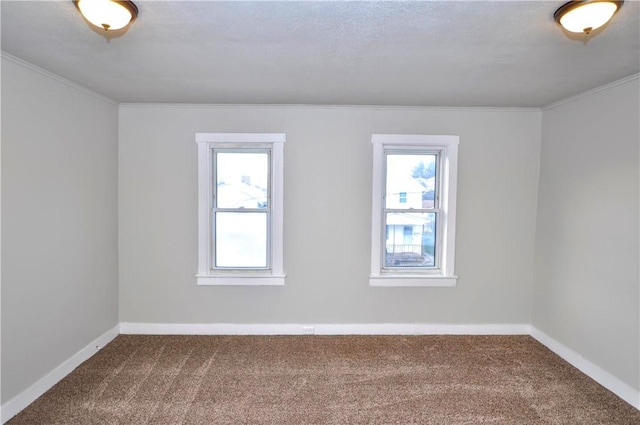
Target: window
(240, 200)
(413, 210)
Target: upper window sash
(412, 150)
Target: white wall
(328, 171)
(59, 223)
(586, 290)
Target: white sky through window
(232, 166)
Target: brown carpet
(294, 380)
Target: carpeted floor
(340, 380)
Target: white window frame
(447, 149)
(274, 273)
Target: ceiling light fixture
(583, 16)
(109, 15)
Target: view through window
(410, 216)
(241, 209)
(413, 212)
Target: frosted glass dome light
(583, 16)
(107, 14)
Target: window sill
(409, 280)
(252, 280)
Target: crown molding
(591, 92)
(57, 78)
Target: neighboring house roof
(240, 195)
(411, 187)
(428, 184)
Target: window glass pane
(410, 240)
(411, 181)
(242, 179)
(240, 239)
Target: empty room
(320, 212)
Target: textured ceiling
(428, 53)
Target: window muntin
(413, 235)
(240, 208)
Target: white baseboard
(322, 329)
(601, 376)
(28, 396)
(490, 329)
